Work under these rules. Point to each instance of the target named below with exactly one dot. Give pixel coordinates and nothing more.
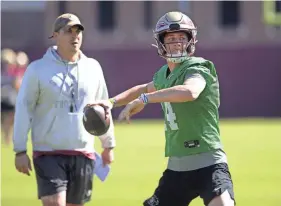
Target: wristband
(112, 101)
(143, 98)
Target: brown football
(95, 121)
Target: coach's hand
(107, 156)
(23, 164)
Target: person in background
(13, 66)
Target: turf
(252, 146)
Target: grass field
(252, 146)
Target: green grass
(252, 146)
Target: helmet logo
(160, 25)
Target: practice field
(254, 154)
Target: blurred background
(243, 39)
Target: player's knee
(54, 200)
(223, 200)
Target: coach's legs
(58, 199)
(79, 187)
(51, 176)
(223, 200)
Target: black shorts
(73, 174)
(180, 188)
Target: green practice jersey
(191, 127)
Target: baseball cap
(66, 20)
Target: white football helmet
(173, 22)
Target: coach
(54, 92)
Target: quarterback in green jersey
(188, 89)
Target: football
(95, 121)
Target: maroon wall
(250, 78)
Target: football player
(188, 89)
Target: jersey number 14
(170, 117)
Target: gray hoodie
(51, 101)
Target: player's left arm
(192, 87)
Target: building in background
(123, 25)
(243, 39)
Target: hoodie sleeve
(25, 104)
(108, 139)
